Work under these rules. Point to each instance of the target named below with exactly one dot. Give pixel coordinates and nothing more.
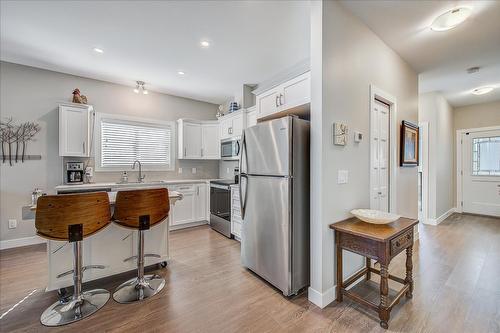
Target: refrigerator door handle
(243, 201)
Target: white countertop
(132, 184)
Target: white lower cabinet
(194, 205)
(235, 213)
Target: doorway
(478, 171)
(382, 150)
(423, 172)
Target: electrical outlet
(12, 224)
(179, 170)
(227, 170)
(342, 176)
(193, 170)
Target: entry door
(379, 152)
(481, 172)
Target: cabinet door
(225, 128)
(295, 92)
(184, 210)
(210, 141)
(267, 103)
(251, 118)
(73, 131)
(192, 140)
(237, 125)
(201, 205)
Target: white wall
(30, 94)
(346, 57)
(477, 115)
(434, 108)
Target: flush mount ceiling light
(98, 50)
(181, 73)
(140, 87)
(204, 44)
(451, 19)
(483, 90)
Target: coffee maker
(74, 172)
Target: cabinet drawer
(236, 229)
(401, 242)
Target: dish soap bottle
(124, 177)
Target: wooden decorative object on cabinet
(380, 242)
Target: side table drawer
(401, 242)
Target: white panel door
(210, 141)
(379, 151)
(481, 172)
(192, 140)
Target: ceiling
(441, 58)
(153, 40)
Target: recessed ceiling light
(204, 44)
(482, 90)
(451, 19)
(98, 50)
(181, 73)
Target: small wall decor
(340, 134)
(14, 140)
(409, 144)
(78, 98)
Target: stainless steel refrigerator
(274, 195)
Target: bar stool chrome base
(62, 313)
(135, 290)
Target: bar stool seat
(73, 217)
(140, 210)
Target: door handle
(83, 147)
(281, 96)
(242, 202)
(276, 100)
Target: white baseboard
(321, 299)
(18, 242)
(441, 218)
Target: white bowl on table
(374, 216)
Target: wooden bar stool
(72, 218)
(140, 210)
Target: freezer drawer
(265, 237)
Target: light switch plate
(342, 177)
(193, 170)
(179, 170)
(12, 224)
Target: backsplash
(226, 169)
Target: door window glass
(486, 156)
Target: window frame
(473, 160)
(137, 120)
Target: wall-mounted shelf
(20, 159)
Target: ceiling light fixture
(204, 44)
(181, 73)
(482, 90)
(140, 87)
(98, 50)
(451, 19)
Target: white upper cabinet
(292, 95)
(251, 116)
(198, 139)
(210, 146)
(231, 125)
(74, 130)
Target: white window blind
(123, 142)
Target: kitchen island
(110, 247)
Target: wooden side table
(380, 242)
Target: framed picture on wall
(409, 144)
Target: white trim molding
(376, 93)
(321, 299)
(18, 242)
(441, 218)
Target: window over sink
(120, 140)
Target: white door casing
(383, 150)
(480, 192)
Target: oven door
(220, 202)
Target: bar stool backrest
(55, 213)
(131, 205)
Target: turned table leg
(384, 313)
(368, 265)
(339, 269)
(409, 271)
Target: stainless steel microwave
(230, 149)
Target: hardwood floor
(456, 272)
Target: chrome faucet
(140, 179)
